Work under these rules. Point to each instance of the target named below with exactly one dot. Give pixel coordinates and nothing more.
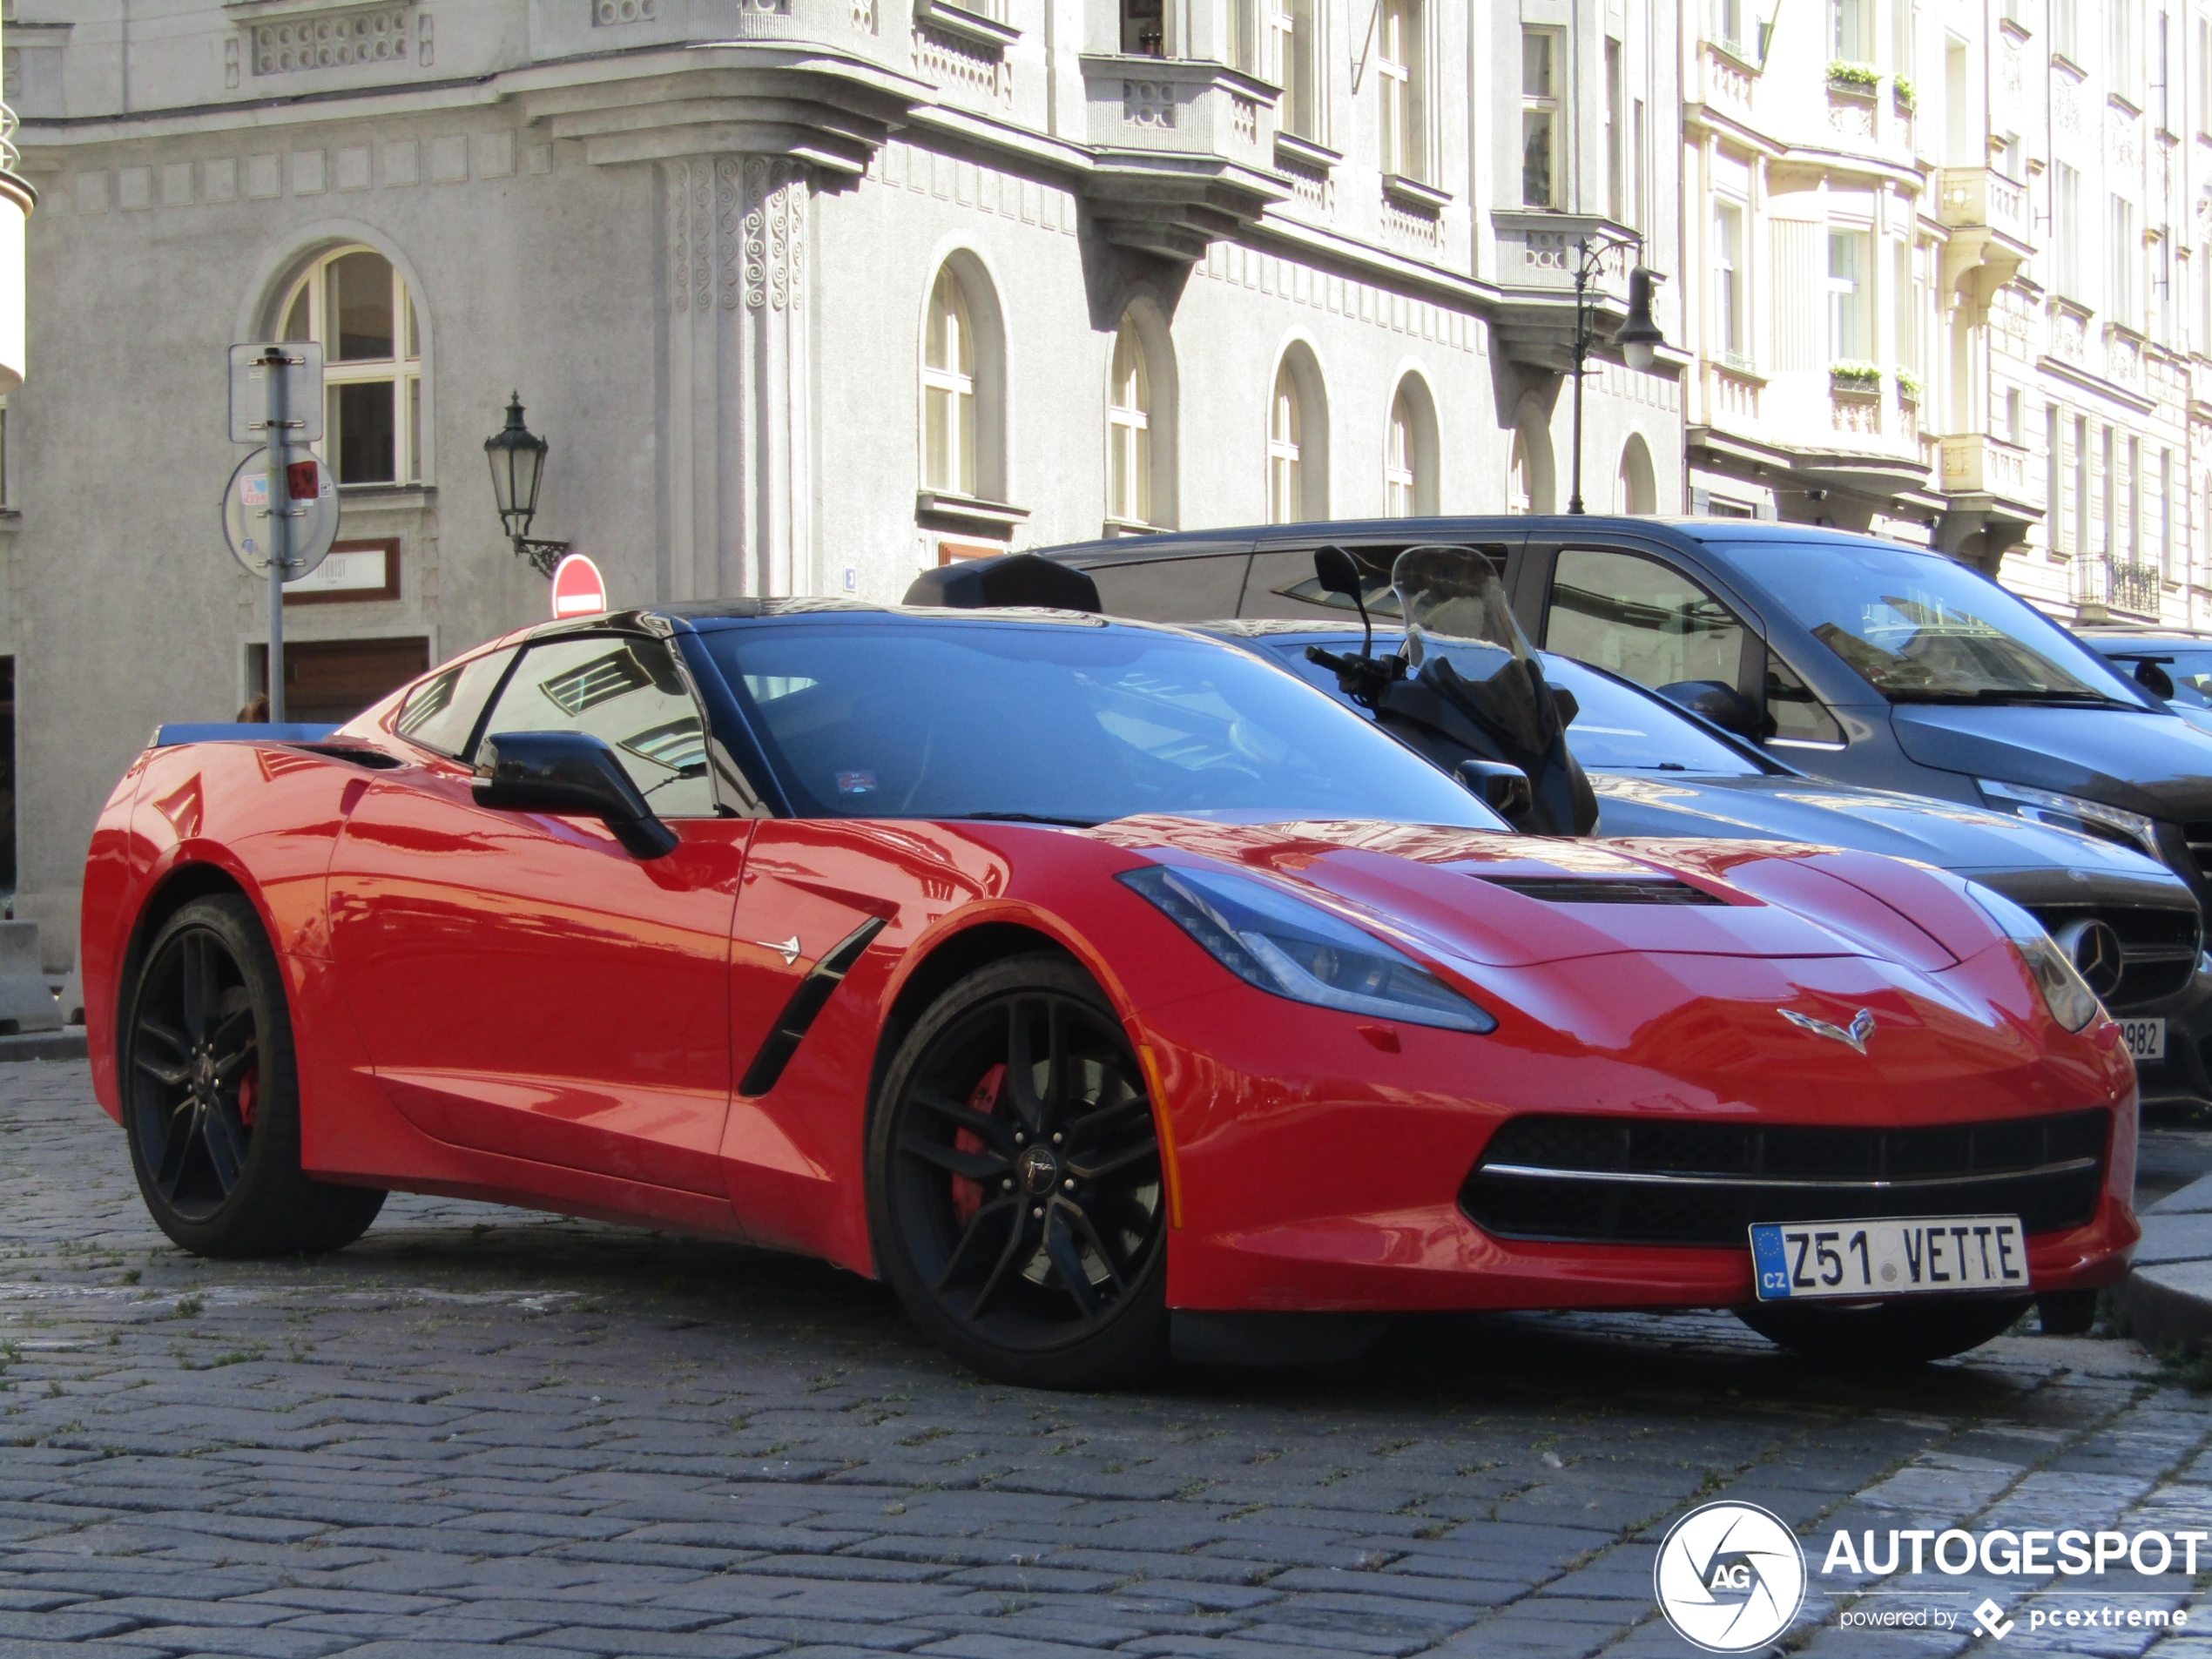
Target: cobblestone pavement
(484, 1431)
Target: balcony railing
(1975, 463)
(1982, 196)
(1179, 105)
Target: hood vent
(1576, 889)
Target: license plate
(1797, 1260)
(2146, 1039)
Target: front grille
(2199, 837)
(2158, 947)
(1570, 889)
(1636, 1181)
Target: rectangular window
(1639, 170)
(1728, 24)
(1617, 157)
(1906, 301)
(2162, 91)
(1399, 68)
(1849, 338)
(2120, 296)
(2065, 29)
(2067, 228)
(1847, 30)
(1144, 26)
(1293, 26)
(2109, 523)
(2053, 481)
(2080, 543)
(1542, 163)
(2009, 427)
(2166, 512)
(1905, 42)
(2119, 47)
(1729, 330)
(2204, 74)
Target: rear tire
(211, 1094)
(1015, 1194)
(1886, 1333)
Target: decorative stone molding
(736, 451)
(1185, 152)
(382, 36)
(609, 14)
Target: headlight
(2071, 812)
(1294, 949)
(2072, 1004)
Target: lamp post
(1638, 337)
(517, 457)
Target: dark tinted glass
(627, 693)
(987, 717)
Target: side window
(1795, 714)
(627, 693)
(1194, 590)
(1644, 622)
(1282, 586)
(441, 712)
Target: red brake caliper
(246, 1087)
(967, 1196)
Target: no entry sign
(578, 588)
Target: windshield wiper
(2011, 694)
(1025, 818)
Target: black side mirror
(1337, 572)
(2156, 680)
(1718, 701)
(571, 773)
(1502, 788)
(1568, 703)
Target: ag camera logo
(1729, 1577)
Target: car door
(522, 984)
(1648, 620)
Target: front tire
(1886, 1333)
(211, 1094)
(1015, 1183)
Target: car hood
(1515, 900)
(2154, 763)
(1963, 839)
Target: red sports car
(1109, 992)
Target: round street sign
(578, 588)
(246, 512)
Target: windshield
(1921, 628)
(1618, 728)
(986, 718)
(2190, 671)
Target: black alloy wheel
(1015, 1180)
(210, 1094)
(195, 1075)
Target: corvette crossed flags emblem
(1854, 1034)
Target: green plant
(1907, 100)
(1855, 377)
(1908, 386)
(1862, 77)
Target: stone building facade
(806, 295)
(1950, 275)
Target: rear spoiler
(167, 737)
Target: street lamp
(1638, 337)
(517, 457)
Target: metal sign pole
(280, 442)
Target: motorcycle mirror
(1337, 572)
(1502, 788)
(1567, 705)
(1718, 701)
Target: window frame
(1849, 298)
(1547, 105)
(1128, 429)
(1285, 448)
(406, 370)
(954, 382)
(1402, 83)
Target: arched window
(1410, 452)
(1529, 475)
(1637, 488)
(356, 307)
(948, 390)
(1297, 440)
(1128, 431)
(1285, 451)
(1517, 494)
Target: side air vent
(2199, 837)
(806, 1002)
(1570, 889)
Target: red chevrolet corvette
(1107, 991)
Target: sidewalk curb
(2168, 1298)
(44, 1045)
